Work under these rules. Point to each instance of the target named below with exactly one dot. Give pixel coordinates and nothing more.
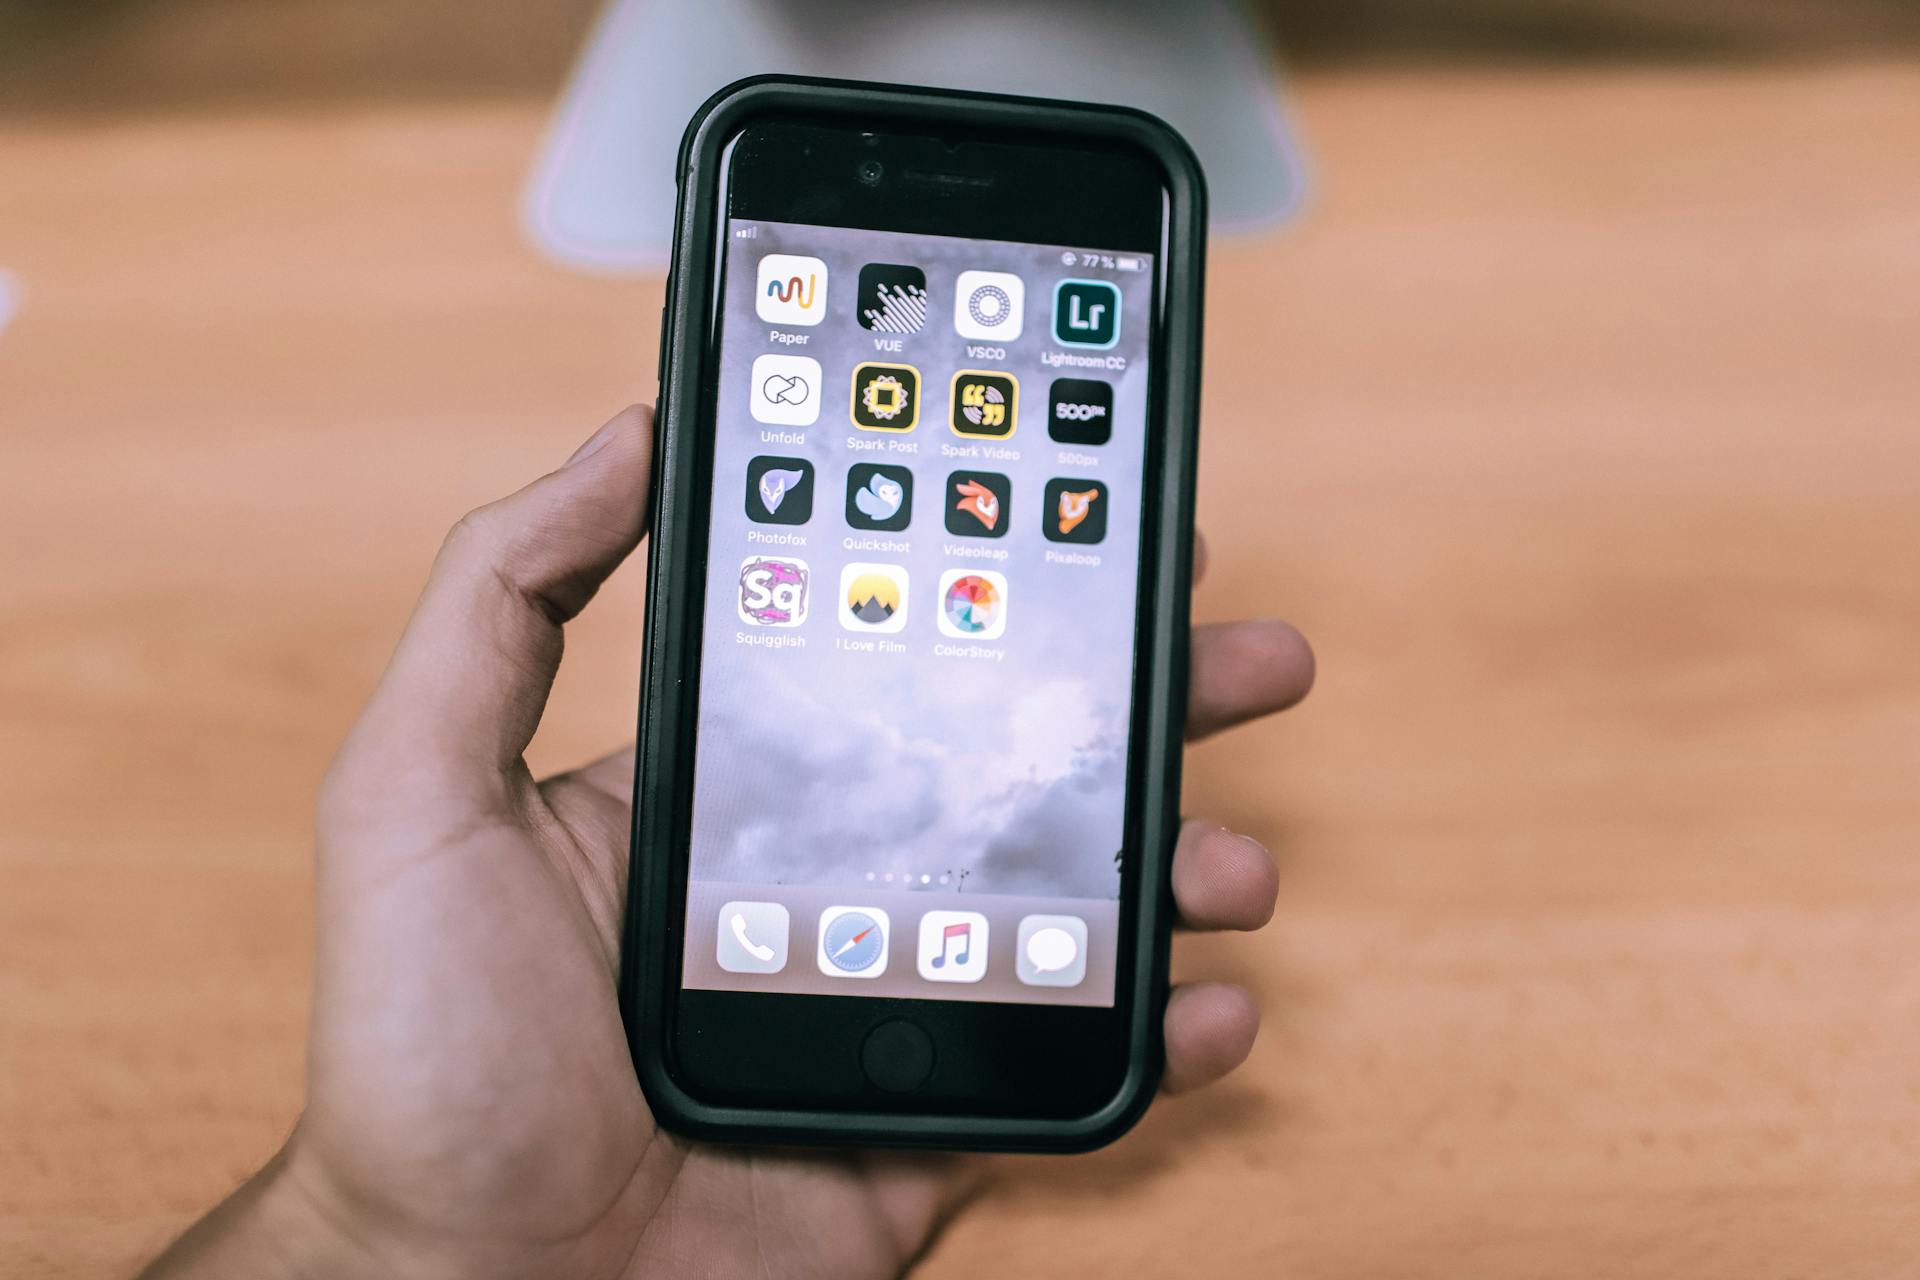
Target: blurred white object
(601, 195)
(9, 297)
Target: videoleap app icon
(977, 504)
(879, 496)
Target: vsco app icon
(773, 591)
(991, 305)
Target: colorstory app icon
(892, 298)
(752, 937)
(786, 390)
(779, 490)
(792, 289)
(953, 946)
(989, 305)
(873, 597)
(1080, 411)
(1075, 511)
(886, 397)
(1086, 313)
(773, 591)
(879, 496)
(1051, 951)
(985, 404)
(973, 604)
(977, 504)
(853, 942)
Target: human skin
(472, 1109)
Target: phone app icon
(873, 597)
(792, 289)
(773, 591)
(985, 404)
(1051, 951)
(853, 942)
(1080, 411)
(886, 397)
(879, 496)
(973, 604)
(779, 490)
(892, 298)
(990, 305)
(977, 504)
(1086, 313)
(1075, 511)
(752, 937)
(786, 390)
(953, 946)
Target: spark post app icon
(886, 397)
(773, 591)
(792, 289)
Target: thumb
(466, 686)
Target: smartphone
(909, 743)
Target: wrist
(272, 1228)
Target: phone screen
(917, 654)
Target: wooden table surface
(1578, 421)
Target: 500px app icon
(773, 591)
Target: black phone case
(651, 938)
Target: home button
(897, 1056)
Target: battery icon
(1127, 264)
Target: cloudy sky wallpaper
(997, 764)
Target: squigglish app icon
(773, 591)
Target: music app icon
(953, 946)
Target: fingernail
(595, 443)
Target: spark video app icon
(792, 289)
(892, 298)
(985, 405)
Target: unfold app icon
(879, 496)
(977, 504)
(886, 397)
(985, 404)
(892, 298)
(1075, 511)
(873, 597)
(786, 390)
(953, 946)
(989, 305)
(779, 490)
(792, 289)
(773, 591)
(973, 604)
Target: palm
(472, 1108)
